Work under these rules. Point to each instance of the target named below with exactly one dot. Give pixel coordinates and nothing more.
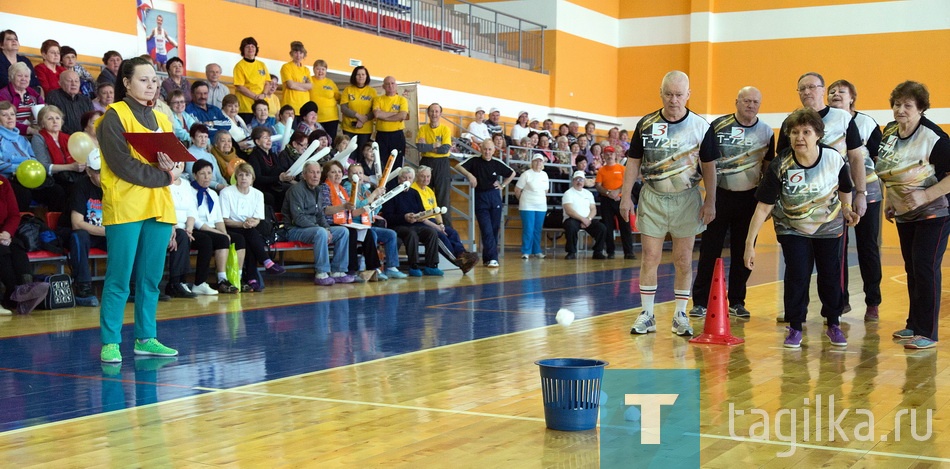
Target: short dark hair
(197, 128)
(66, 50)
(259, 131)
(285, 108)
(110, 54)
(802, 117)
(249, 40)
(913, 90)
(579, 159)
(173, 60)
(87, 116)
(316, 134)
(201, 164)
(299, 136)
(199, 84)
(353, 75)
(258, 102)
(5, 32)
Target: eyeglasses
(802, 89)
(177, 102)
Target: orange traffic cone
(716, 330)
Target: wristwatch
(864, 192)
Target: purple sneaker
(794, 338)
(275, 269)
(323, 282)
(837, 337)
(343, 278)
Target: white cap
(493, 110)
(479, 109)
(537, 156)
(578, 174)
(94, 160)
(522, 112)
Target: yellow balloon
(31, 174)
(80, 145)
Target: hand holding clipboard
(150, 144)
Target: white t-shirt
(239, 207)
(206, 217)
(517, 133)
(479, 130)
(580, 201)
(533, 185)
(186, 202)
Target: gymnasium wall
(605, 57)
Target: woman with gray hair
(23, 97)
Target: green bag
(233, 269)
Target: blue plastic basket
(570, 388)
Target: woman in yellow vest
(137, 211)
(340, 210)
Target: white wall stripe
(758, 25)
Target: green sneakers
(154, 347)
(110, 354)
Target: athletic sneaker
(739, 311)
(492, 263)
(381, 276)
(110, 354)
(203, 289)
(793, 339)
(393, 272)
(645, 323)
(275, 269)
(836, 335)
(179, 290)
(540, 255)
(225, 286)
(697, 311)
(255, 286)
(871, 315)
(340, 277)
(920, 342)
(5, 312)
(432, 271)
(154, 347)
(415, 273)
(904, 334)
(525, 256)
(681, 325)
(323, 281)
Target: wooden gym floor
(439, 372)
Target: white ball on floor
(564, 317)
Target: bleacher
(388, 20)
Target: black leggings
(206, 243)
(256, 249)
(15, 264)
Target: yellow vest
(124, 202)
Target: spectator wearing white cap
(520, 129)
(478, 128)
(579, 213)
(531, 191)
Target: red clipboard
(148, 144)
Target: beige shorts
(675, 213)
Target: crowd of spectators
(241, 177)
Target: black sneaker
(739, 311)
(599, 256)
(179, 290)
(225, 286)
(629, 256)
(570, 256)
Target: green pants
(137, 247)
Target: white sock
(647, 294)
(682, 297)
(222, 277)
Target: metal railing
(454, 25)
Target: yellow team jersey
(438, 136)
(361, 101)
(291, 72)
(395, 103)
(427, 195)
(124, 202)
(327, 96)
(251, 75)
(273, 105)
